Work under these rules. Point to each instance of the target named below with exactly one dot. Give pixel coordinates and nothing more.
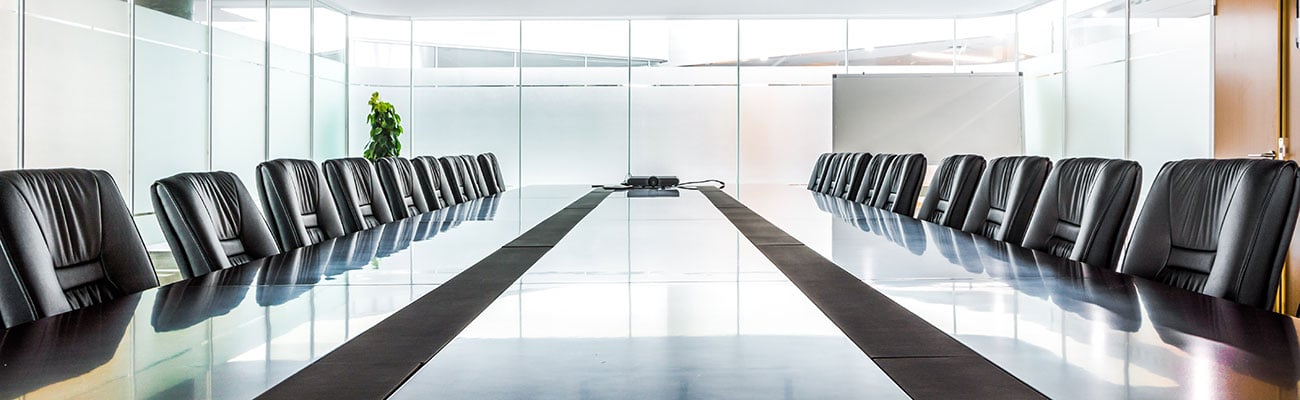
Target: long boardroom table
(692, 296)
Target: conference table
(575, 292)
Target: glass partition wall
(146, 89)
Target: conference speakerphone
(652, 182)
(645, 185)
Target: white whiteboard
(934, 114)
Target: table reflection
(49, 350)
(236, 332)
(1068, 329)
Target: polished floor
(658, 298)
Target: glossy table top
(1067, 329)
(655, 298)
(235, 333)
(645, 299)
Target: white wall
(696, 98)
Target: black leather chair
(405, 196)
(872, 178)
(1217, 227)
(1085, 210)
(835, 169)
(1006, 196)
(358, 193)
(210, 222)
(818, 172)
(299, 202)
(497, 172)
(474, 175)
(902, 184)
(851, 171)
(437, 194)
(491, 173)
(453, 171)
(493, 181)
(67, 241)
(951, 190)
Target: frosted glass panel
(1041, 41)
(466, 90)
(8, 84)
(466, 52)
(1095, 108)
(1095, 32)
(330, 43)
(290, 31)
(1044, 114)
(901, 46)
(784, 127)
(985, 44)
(573, 132)
(238, 105)
(782, 131)
(575, 52)
(331, 120)
(108, 15)
(182, 26)
(290, 89)
(685, 131)
(686, 52)
(574, 135)
(330, 93)
(171, 97)
(1170, 92)
(471, 120)
(241, 18)
(792, 43)
(77, 88)
(683, 110)
(290, 115)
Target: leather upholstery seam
(1250, 247)
(13, 266)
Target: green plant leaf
(385, 128)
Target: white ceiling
(548, 9)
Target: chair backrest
(818, 171)
(474, 175)
(902, 184)
(1006, 196)
(437, 194)
(872, 178)
(67, 241)
(835, 168)
(1085, 210)
(405, 196)
(851, 174)
(491, 173)
(210, 221)
(453, 170)
(1218, 227)
(298, 202)
(358, 193)
(951, 190)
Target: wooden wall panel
(1291, 281)
(1247, 93)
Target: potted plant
(385, 127)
